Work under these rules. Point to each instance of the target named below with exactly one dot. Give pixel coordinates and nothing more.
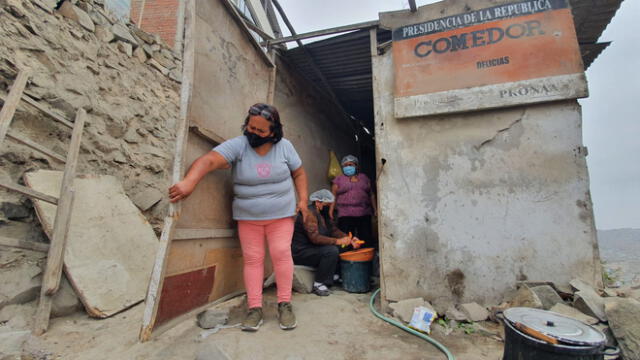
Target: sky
(611, 123)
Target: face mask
(256, 140)
(349, 170)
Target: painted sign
(516, 53)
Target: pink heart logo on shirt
(264, 170)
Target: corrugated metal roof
(345, 60)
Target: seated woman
(315, 239)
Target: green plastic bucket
(355, 275)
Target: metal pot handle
(610, 351)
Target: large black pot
(520, 346)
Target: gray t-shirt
(262, 185)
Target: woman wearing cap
(355, 201)
(315, 241)
(265, 169)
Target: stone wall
(80, 58)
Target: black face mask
(325, 212)
(256, 140)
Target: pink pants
(278, 233)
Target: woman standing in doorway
(355, 201)
(265, 169)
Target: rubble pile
(128, 81)
(613, 311)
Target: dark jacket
(316, 231)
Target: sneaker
(253, 320)
(321, 289)
(286, 316)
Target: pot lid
(560, 327)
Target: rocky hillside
(127, 81)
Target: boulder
(303, 278)
(65, 301)
(623, 315)
(140, 54)
(403, 309)
(14, 211)
(580, 285)
(125, 48)
(14, 7)
(68, 10)
(211, 318)
(453, 313)
(104, 34)
(590, 303)
(474, 312)
(568, 311)
(163, 60)
(20, 276)
(146, 199)
(158, 67)
(547, 295)
(144, 36)
(526, 298)
(122, 33)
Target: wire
(407, 329)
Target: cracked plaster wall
(471, 203)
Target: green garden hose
(407, 329)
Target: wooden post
(55, 258)
(23, 244)
(12, 101)
(272, 78)
(154, 290)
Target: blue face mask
(349, 170)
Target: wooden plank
(373, 41)
(31, 101)
(53, 270)
(184, 234)
(188, 67)
(51, 279)
(23, 244)
(12, 101)
(335, 30)
(272, 78)
(253, 27)
(28, 192)
(155, 284)
(36, 146)
(189, 255)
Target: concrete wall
(230, 76)
(312, 123)
(471, 203)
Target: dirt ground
(336, 327)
